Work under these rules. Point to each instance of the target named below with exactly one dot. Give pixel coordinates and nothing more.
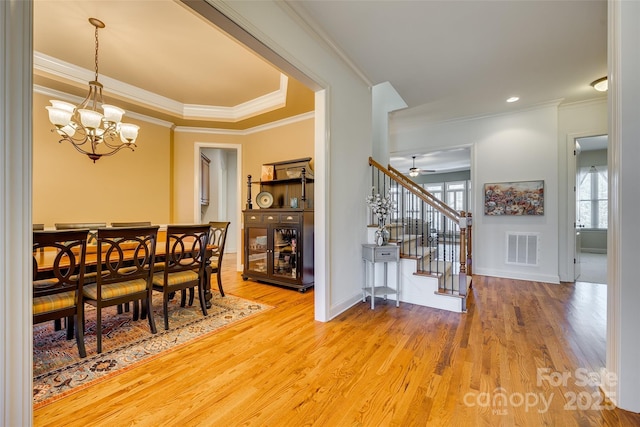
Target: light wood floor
(406, 366)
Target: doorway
(591, 209)
(224, 201)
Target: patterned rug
(59, 371)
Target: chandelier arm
(72, 140)
(76, 146)
(114, 151)
(117, 146)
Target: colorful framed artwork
(514, 198)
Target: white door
(576, 224)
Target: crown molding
(273, 125)
(262, 104)
(63, 96)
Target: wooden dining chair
(217, 238)
(91, 226)
(184, 264)
(125, 258)
(57, 293)
(131, 224)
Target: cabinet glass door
(257, 249)
(285, 262)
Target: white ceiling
(450, 59)
(157, 55)
(447, 59)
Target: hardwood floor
(406, 366)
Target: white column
(623, 316)
(15, 211)
(385, 100)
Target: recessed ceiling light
(601, 85)
(513, 99)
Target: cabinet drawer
(386, 254)
(274, 217)
(253, 218)
(290, 217)
(381, 253)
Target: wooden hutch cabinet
(278, 238)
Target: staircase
(434, 240)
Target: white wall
(574, 121)
(514, 147)
(16, 331)
(343, 145)
(623, 291)
(385, 100)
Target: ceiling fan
(414, 171)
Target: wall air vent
(522, 248)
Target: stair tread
(450, 293)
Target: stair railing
(426, 229)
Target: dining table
(45, 260)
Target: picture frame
(268, 173)
(514, 198)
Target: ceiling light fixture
(601, 85)
(414, 171)
(85, 125)
(513, 99)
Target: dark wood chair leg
(70, 327)
(183, 298)
(80, 337)
(165, 310)
(136, 310)
(220, 283)
(99, 329)
(146, 307)
(203, 304)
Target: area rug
(59, 371)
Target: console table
(372, 254)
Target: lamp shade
(67, 130)
(112, 113)
(59, 117)
(62, 105)
(128, 132)
(90, 119)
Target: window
(593, 203)
(456, 197)
(434, 217)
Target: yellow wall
(290, 142)
(185, 174)
(286, 142)
(141, 185)
(128, 186)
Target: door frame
(572, 195)
(197, 216)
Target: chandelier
(91, 132)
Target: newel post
(462, 284)
(469, 244)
